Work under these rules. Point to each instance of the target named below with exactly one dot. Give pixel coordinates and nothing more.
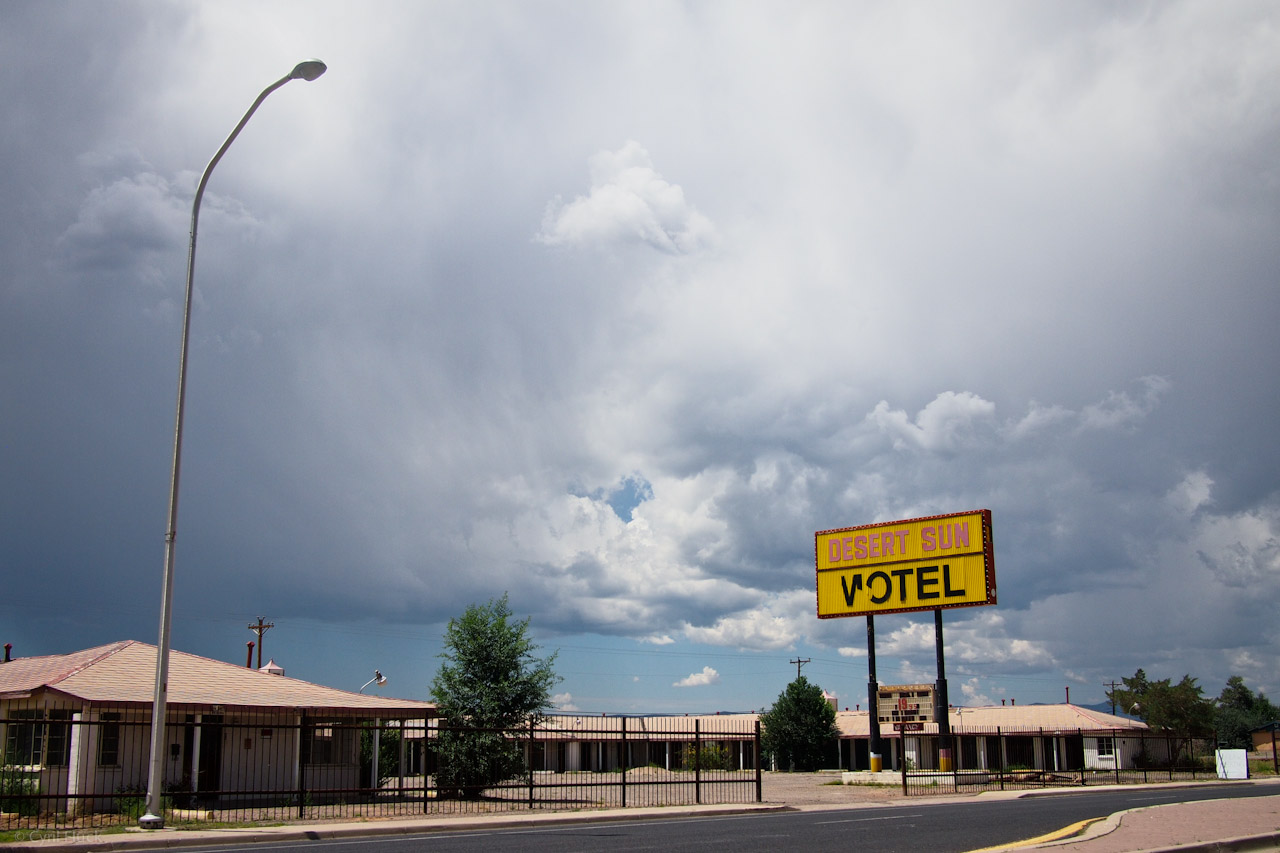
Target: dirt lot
(810, 789)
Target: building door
(1075, 752)
(968, 752)
(210, 775)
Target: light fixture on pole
(378, 679)
(153, 818)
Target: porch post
(80, 765)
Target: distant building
(1265, 737)
(1034, 737)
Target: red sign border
(988, 559)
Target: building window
(109, 740)
(24, 740)
(323, 743)
(1106, 747)
(30, 741)
(57, 744)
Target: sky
(608, 307)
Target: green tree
(798, 730)
(388, 754)
(1176, 709)
(1239, 712)
(490, 684)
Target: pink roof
(125, 672)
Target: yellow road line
(1056, 835)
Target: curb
(164, 839)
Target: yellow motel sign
(901, 566)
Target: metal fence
(999, 760)
(67, 769)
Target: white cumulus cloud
(699, 679)
(628, 202)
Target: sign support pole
(873, 698)
(941, 706)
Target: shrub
(18, 790)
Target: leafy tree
(489, 684)
(388, 755)
(1165, 706)
(1177, 709)
(1239, 712)
(797, 731)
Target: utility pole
(1113, 685)
(260, 629)
(799, 662)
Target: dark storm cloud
(809, 270)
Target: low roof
(125, 672)
(657, 727)
(1008, 719)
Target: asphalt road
(911, 826)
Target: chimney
(8, 650)
(249, 660)
(1001, 703)
(1013, 701)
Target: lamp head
(309, 70)
(378, 678)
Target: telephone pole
(260, 629)
(1113, 685)
(799, 662)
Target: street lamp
(377, 677)
(154, 816)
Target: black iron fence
(978, 760)
(88, 769)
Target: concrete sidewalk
(1242, 823)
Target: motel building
(77, 726)
(1049, 738)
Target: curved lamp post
(377, 677)
(154, 816)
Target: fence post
(303, 745)
(1275, 759)
(1115, 753)
(1084, 761)
(902, 759)
(760, 780)
(956, 753)
(427, 752)
(697, 761)
(531, 727)
(623, 720)
(1000, 756)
